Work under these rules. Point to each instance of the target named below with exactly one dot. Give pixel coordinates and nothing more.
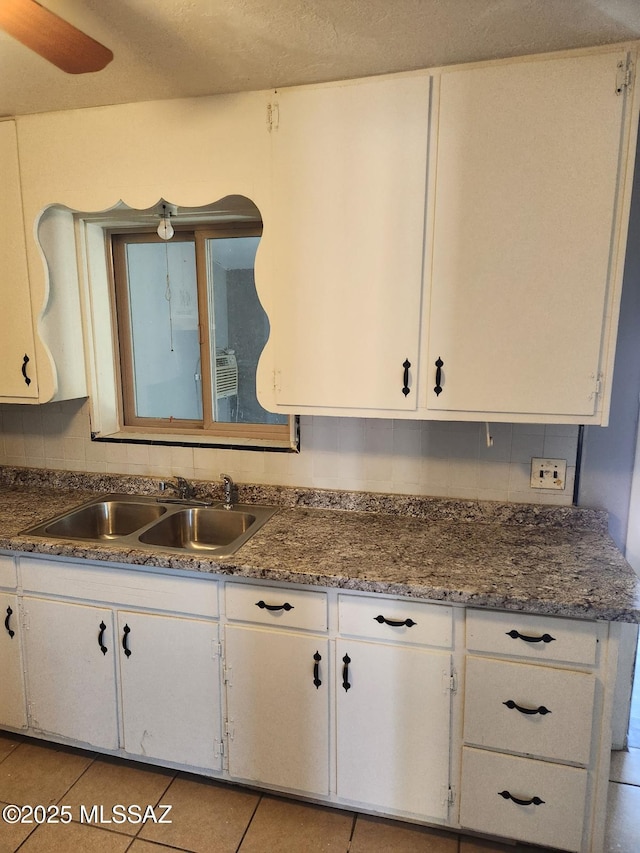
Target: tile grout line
(64, 794)
(353, 830)
(157, 844)
(246, 829)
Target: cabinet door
(278, 708)
(16, 332)
(12, 700)
(71, 682)
(528, 175)
(170, 676)
(347, 234)
(393, 709)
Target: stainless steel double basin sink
(157, 524)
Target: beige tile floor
(214, 817)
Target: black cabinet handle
(125, 640)
(25, 362)
(406, 365)
(512, 705)
(346, 660)
(103, 648)
(10, 631)
(409, 623)
(286, 606)
(534, 801)
(516, 635)
(439, 366)
(316, 669)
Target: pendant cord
(167, 295)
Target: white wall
(609, 452)
(402, 457)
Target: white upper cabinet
(17, 362)
(473, 216)
(349, 174)
(516, 176)
(190, 152)
(41, 353)
(533, 165)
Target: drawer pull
(286, 606)
(541, 710)
(10, 630)
(346, 660)
(409, 623)
(103, 648)
(125, 640)
(534, 801)
(316, 670)
(516, 635)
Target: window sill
(289, 445)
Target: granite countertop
(549, 560)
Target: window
(190, 331)
(176, 327)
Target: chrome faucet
(183, 488)
(227, 484)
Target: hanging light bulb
(165, 229)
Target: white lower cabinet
(71, 676)
(278, 708)
(531, 767)
(393, 704)
(393, 713)
(341, 696)
(143, 680)
(13, 710)
(170, 685)
(277, 686)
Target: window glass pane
(238, 331)
(163, 304)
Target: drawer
(282, 607)
(564, 734)
(535, 637)
(400, 620)
(175, 594)
(7, 572)
(490, 779)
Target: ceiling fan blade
(53, 38)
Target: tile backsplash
(435, 458)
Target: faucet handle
(185, 489)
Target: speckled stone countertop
(539, 559)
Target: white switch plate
(548, 473)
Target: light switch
(548, 473)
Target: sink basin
(199, 529)
(149, 523)
(108, 519)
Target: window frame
(133, 423)
(94, 233)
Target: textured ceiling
(182, 48)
